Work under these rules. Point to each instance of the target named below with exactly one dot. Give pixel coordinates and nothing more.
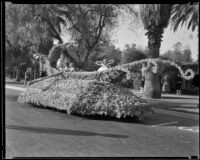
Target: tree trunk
(70, 57)
(152, 82)
(198, 48)
(152, 85)
(84, 64)
(154, 52)
(18, 75)
(36, 70)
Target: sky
(127, 33)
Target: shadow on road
(169, 120)
(127, 119)
(62, 131)
(177, 97)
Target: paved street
(33, 131)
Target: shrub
(86, 97)
(190, 91)
(117, 74)
(131, 54)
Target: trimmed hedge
(87, 97)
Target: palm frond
(159, 13)
(185, 14)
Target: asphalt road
(38, 132)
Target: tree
(23, 35)
(187, 14)
(16, 42)
(111, 52)
(187, 56)
(108, 51)
(178, 55)
(172, 55)
(155, 17)
(88, 24)
(131, 53)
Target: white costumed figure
(62, 63)
(104, 64)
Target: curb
(15, 88)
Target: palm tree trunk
(152, 85)
(154, 52)
(152, 81)
(154, 36)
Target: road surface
(38, 132)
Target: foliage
(22, 30)
(187, 14)
(86, 97)
(178, 56)
(187, 56)
(155, 13)
(172, 72)
(45, 45)
(51, 22)
(126, 75)
(24, 36)
(88, 25)
(159, 65)
(131, 54)
(155, 18)
(109, 52)
(190, 91)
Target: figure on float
(105, 64)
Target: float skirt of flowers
(87, 97)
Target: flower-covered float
(101, 92)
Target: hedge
(87, 97)
(190, 91)
(118, 74)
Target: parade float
(101, 92)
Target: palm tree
(185, 14)
(155, 17)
